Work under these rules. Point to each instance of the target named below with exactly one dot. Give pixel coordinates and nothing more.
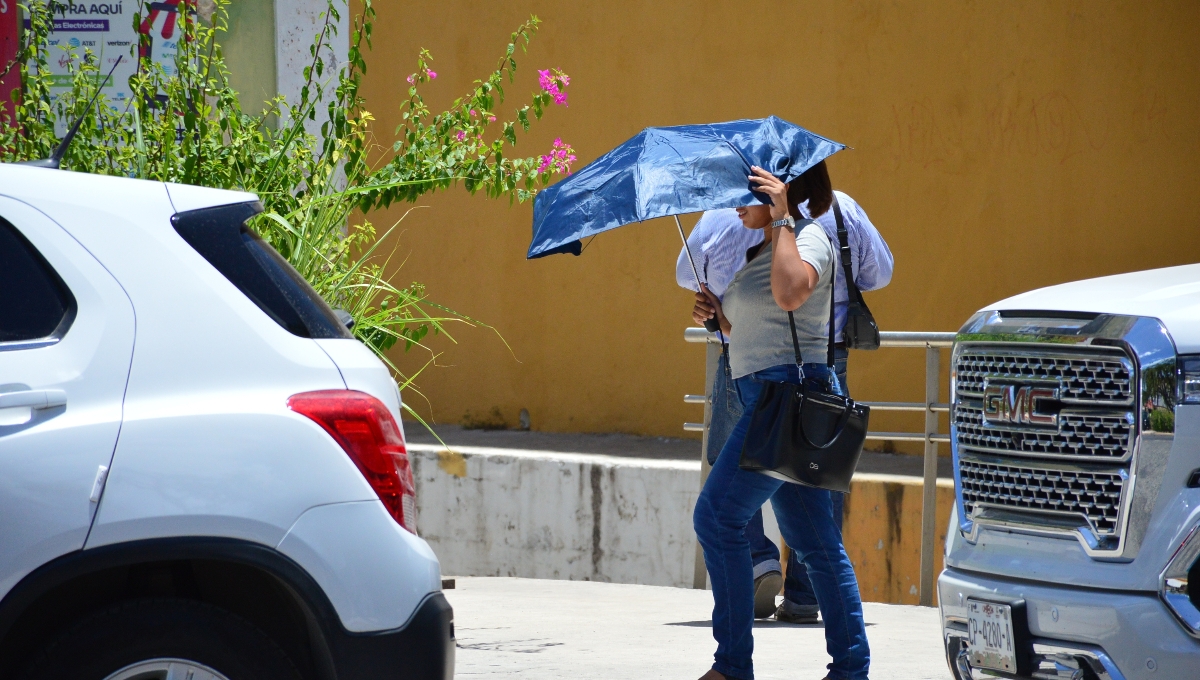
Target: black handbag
(806, 437)
(860, 331)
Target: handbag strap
(795, 341)
(846, 256)
(829, 357)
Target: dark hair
(812, 186)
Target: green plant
(317, 189)
(1162, 420)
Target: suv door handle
(34, 399)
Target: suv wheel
(162, 639)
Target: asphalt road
(541, 629)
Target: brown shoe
(766, 587)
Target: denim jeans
(726, 410)
(729, 500)
(797, 587)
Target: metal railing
(931, 407)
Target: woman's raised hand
(771, 185)
(708, 306)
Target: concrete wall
(297, 23)
(499, 512)
(250, 52)
(999, 146)
(556, 515)
(267, 48)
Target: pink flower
(491, 118)
(432, 75)
(460, 136)
(474, 113)
(554, 83)
(412, 79)
(559, 159)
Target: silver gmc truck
(1075, 430)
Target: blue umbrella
(671, 171)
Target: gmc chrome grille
(1093, 495)
(1033, 426)
(1080, 434)
(1084, 378)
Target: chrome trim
(1064, 416)
(64, 325)
(28, 344)
(1103, 352)
(1059, 661)
(1173, 584)
(1055, 661)
(1143, 341)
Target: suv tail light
(364, 428)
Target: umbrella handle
(712, 325)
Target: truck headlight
(1184, 567)
(1189, 380)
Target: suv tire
(138, 631)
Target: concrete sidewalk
(543, 629)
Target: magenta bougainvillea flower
(432, 75)
(554, 81)
(559, 159)
(491, 118)
(460, 135)
(412, 79)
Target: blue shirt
(719, 243)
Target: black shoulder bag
(806, 437)
(860, 331)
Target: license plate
(990, 636)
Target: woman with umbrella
(792, 271)
(671, 171)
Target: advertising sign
(9, 74)
(108, 31)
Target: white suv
(202, 473)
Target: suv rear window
(35, 304)
(221, 236)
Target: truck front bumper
(1075, 633)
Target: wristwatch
(788, 222)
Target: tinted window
(221, 236)
(34, 302)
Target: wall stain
(452, 462)
(894, 500)
(597, 498)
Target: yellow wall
(882, 528)
(999, 146)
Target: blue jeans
(729, 500)
(726, 410)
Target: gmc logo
(1018, 405)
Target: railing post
(933, 370)
(712, 355)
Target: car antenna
(55, 158)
